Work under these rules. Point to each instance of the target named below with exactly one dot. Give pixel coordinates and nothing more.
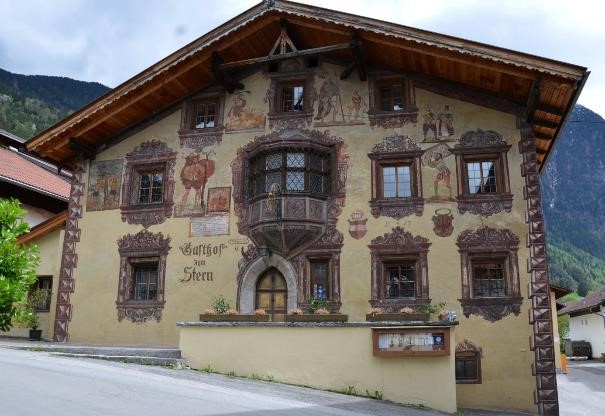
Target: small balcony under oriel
(287, 224)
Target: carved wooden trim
(398, 244)
(151, 152)
(490, 243)
(462, 349)
(391, 119)
(141, 246)
(465, 346)
(69, 257)
(542, 340)
(486, 144)
(396, 149)
(198, 139)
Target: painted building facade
(322, 169)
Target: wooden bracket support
(358, 63)
(223, 77)
(87, 151)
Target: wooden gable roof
(540, 90)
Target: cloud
(111, 41)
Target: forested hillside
(32, 103)
(573, 186)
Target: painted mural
(338, 106)
(437, 126)
(435, 158)
(104, 183)
(242, 116)
(219, 199)
(194, 175)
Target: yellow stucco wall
(323, 357)
(49, 247)
(507, 379)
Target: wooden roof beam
(532, 101)
(264, 59)
(359, 61)
(547, 124)
(550, 109)
(542, 136)
(79, 147)
(223, 77)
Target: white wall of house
(591, 328)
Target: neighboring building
(557, 292)
(43, 190)
(587, 320)
(298, 153)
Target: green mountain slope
(32, 103)
(573, 199)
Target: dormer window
(204, 115)
(392, 100)
(292, 97)
(392, 97)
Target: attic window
(292, 97)
(204, 114)
(392, 101)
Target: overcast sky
(110, 41)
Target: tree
(17, 263)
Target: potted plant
(318, 311)
(421, 313)
(27, 315)
(221, 311)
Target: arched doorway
(272, 294)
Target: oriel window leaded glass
(289, 171)
(481, 176)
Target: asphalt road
(37, 383)
(582, 389)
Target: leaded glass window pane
(316, 162)
(295, 181)
(273, 161)
(273, 182)
(295, 160)
(316, 184)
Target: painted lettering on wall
(197, 272)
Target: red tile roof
(594, 299)
(16, 169)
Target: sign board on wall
(209, 226)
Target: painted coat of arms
(442, 222)
(357, 224)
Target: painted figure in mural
(357, 106)
(195, 175)
(429, 122)
(446, 122)
(443, 173)
(241, 116)
(329, 95)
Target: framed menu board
(396, 342)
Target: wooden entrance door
(272, 294)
